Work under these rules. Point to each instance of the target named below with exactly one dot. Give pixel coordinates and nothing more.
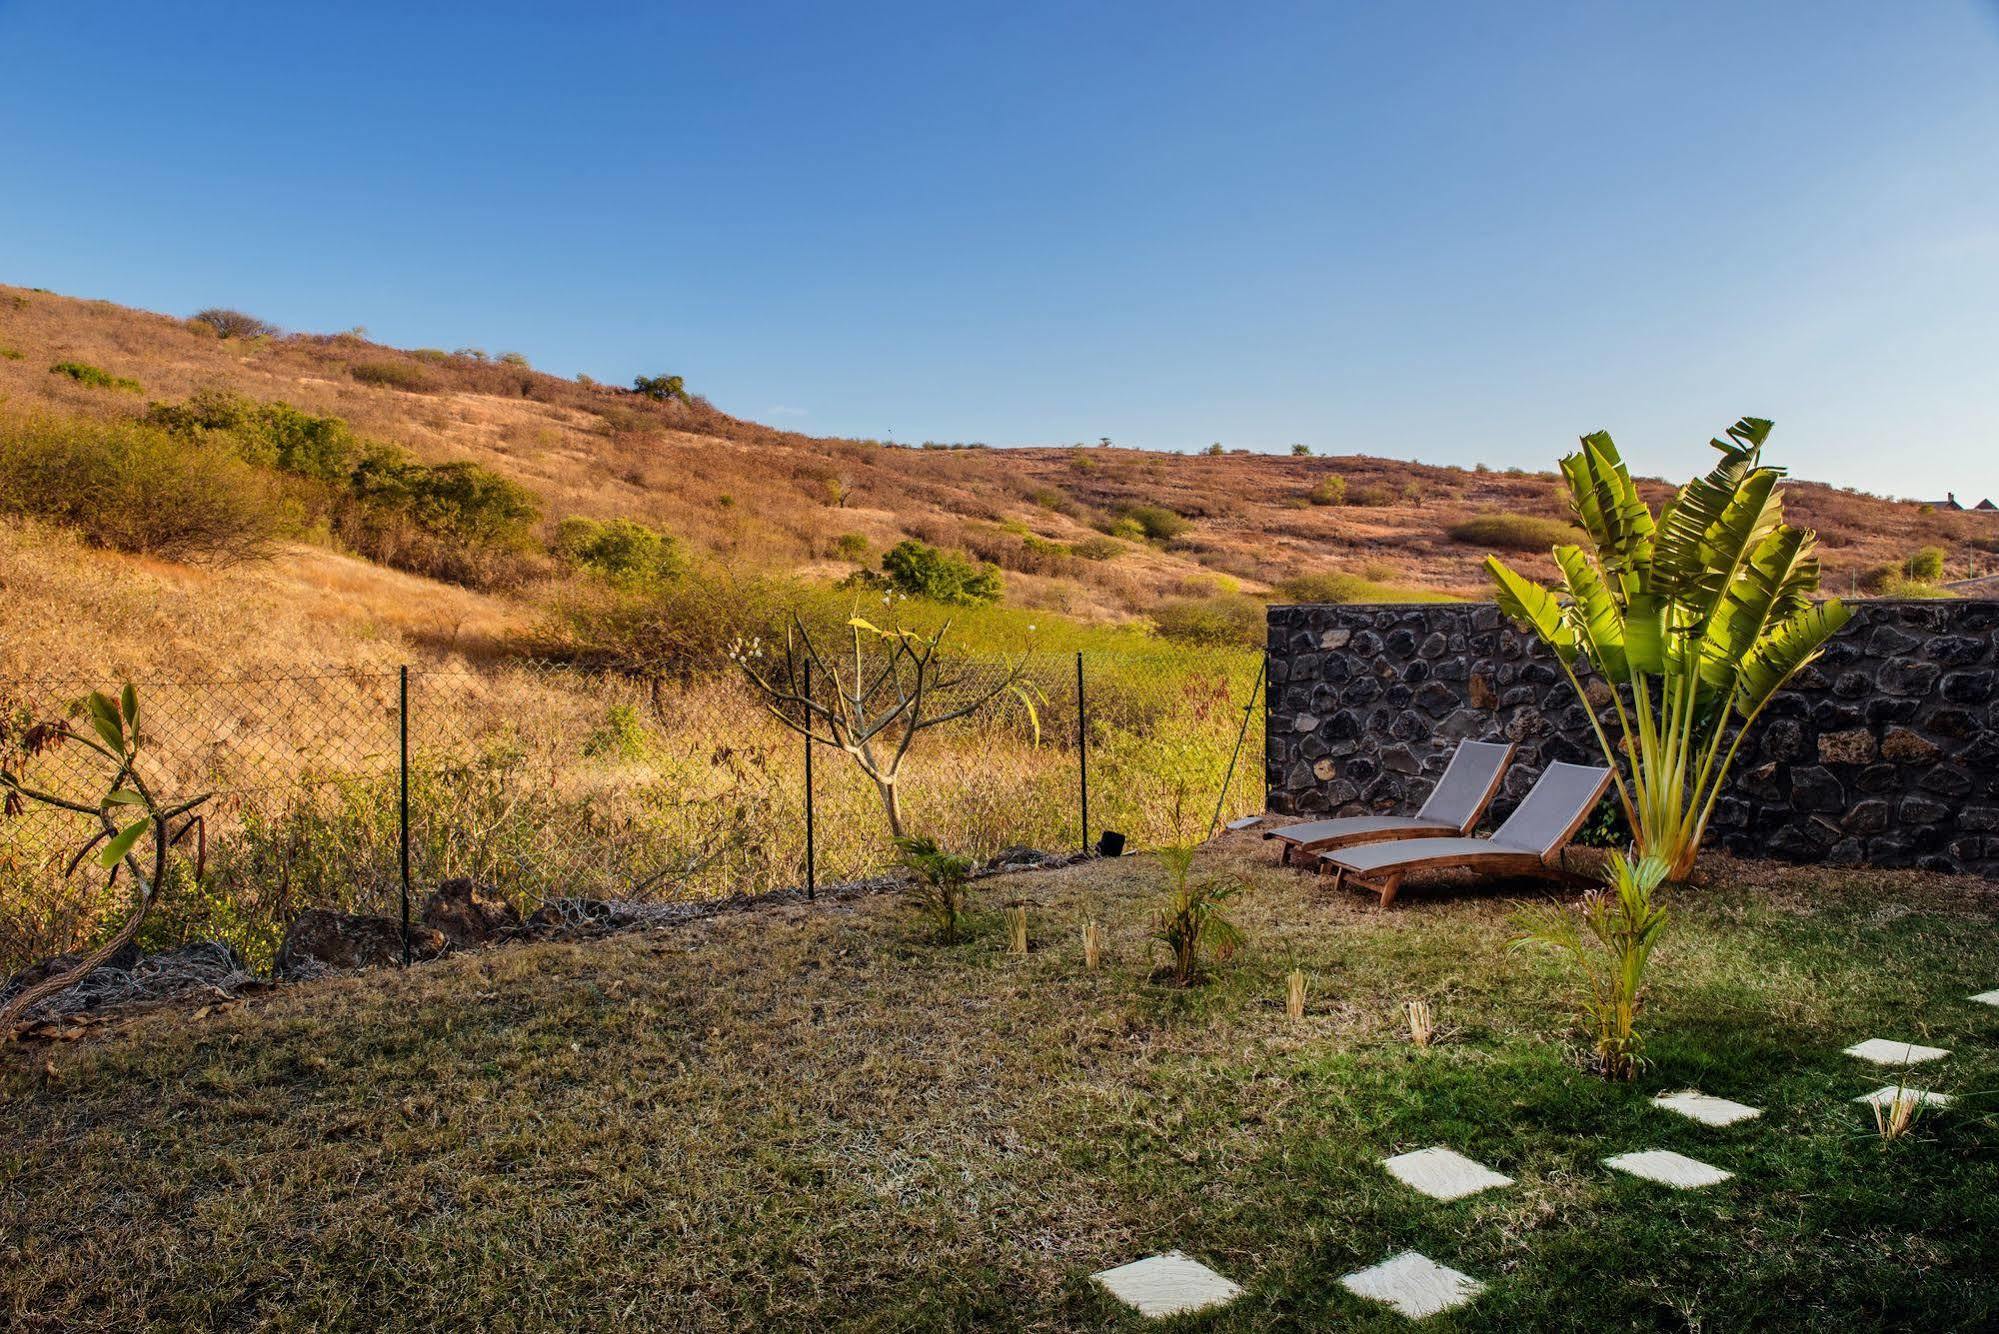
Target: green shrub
(1373, 497)
(1215, 450)
(271, 435)
(1329, 490)
(1925, 566)
(133, 488)
(1098, 548)
(515, 359)
(392, 375)
(94, 376)
(921, 570)
(1301, 451)
(621, 550)
(661, 388)
(434, 355)
(1155, 522)
(1219, 618)
(852, 546)
(234, 323)
(1514, 532)
(11, 354)
(461, 501)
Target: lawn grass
(809, 1116)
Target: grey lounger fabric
(1540, 827)
(1454, 807)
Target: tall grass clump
(392, 375)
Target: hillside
(745, 497)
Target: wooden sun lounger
(1527, 844)
(1468, 786)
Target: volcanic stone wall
(1884, 752)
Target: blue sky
(1456, 233)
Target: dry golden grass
(780, 500)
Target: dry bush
(234, 323)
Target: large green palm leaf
(1782, 651)
(1598, 620)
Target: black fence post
(1082, 758)
(403, 818)
(811, 851)
(1249, 707)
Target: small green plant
(1925, 566)
(12, 354)
(1897, 1115)
(95, 376)
(1328, 490)
(939, 884)
(1372, 497)
(661, 388)
(1609, 938)
(1215, 450)
(852, 546)
(517, 360)
(1220, 618)
(115, 739)
(1154, 522)
(1301, 451)
(1190, 923)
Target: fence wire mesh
(550, 782)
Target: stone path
(1417, 1286)
(1443, 1174)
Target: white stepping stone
(1413, 1284)
(1443, 1174)
(1882, 1051)
(1886, 1095)
(1987, 998)
(1247, 822)
(1668, 1168)
(1708, 1111)
(1169, 1284)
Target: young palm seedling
(1294, 994)
(1190, 922)
(939, 884)
(1609, 938)
(1895, 1117)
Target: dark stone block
(1813, 788)
(1947, 781)
(1883, 709)
(1867, 817)
(1921, 811)
(1956, 650)
(1967, 687)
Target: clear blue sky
(1457, 233)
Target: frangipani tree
(1696, 620)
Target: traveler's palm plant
(1609, 937)
(1696, 620)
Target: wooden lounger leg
(1389, 888)
(1284, 854)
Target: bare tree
(873, 708)
(116, 725)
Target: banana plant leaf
(1783, 650)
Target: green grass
(95, 376)
(1514, 532)
(809, 1117)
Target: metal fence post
(811, 851)
(403, 821)
(1249, 707)
(1082, 758)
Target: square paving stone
(1169, 1284)
(1987, 998)
(1668, 1168)
(1413, 1284)
(1247, 822)
(1883, 1051)
(1708, 1111)
(1443, 1174)
(1886, 1094)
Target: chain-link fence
(550, 782)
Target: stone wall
(1885, 752)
